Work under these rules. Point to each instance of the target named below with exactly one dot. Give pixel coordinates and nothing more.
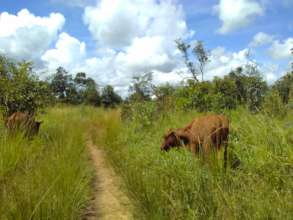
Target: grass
(175, 185)
(49, 177)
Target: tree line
(22, 90)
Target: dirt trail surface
(109, 203)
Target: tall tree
(59, 83)
(141, 87)
(197, 67)
(91, 95)
(64, 87)
(202, 57)
(109, 97)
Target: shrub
(20, 89)
(273, 105)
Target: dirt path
(109, 202)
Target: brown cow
(23, 122)
(203, 133)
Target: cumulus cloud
(260, 39)
(223, 61)
(138, 36)
(281, 50)
(116, 23)
(68, 53)
(26, 36)
(236, 14)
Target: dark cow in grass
(23, 122)
(204, 133)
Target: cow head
(171, 140)
(34, 129)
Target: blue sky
(112, 40)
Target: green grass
(175, 185)
(49, 177)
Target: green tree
(227, 93)
(20, 88)
(284, 85)
(109, 98)
(80, 79)
(91, 95)
(141, 87)
(165, 97)
(241, 84)
(273, 105)
(64, 87)
(199, 52)
(87, 89)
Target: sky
(114, 40)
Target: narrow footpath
(109, 202)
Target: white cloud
(68, 53)
(281, 50)
(26, 36)
(223, 61)
(117, 23)
(260, 39)
(146, 54)
(141, 37)
(236, 14)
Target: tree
(202, 57)
(227, 92)
(87, 89)
(240, 81)
(109, 98)
(80, 79)
(284, 85)
(91, 95)
(20, 89)
(59, 83)
(273, 105)
(199, 52)
(64, 87)
(141, 87)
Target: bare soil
(109, 202)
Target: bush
(142, 113)
(273, 105)
(20, 89)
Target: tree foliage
(109, 97)
(78, 90)
(200, 54)
(20, 89)
(141, 87)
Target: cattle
(203, 134)
(23, 122)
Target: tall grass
(176, 185)
(49, 177)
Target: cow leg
(206, 149)
(194, 148)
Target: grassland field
(50, 177)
